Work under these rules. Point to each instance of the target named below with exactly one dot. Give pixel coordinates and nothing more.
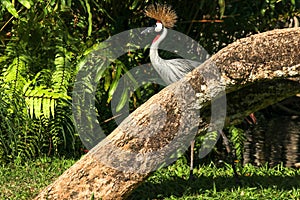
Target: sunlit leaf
(46, 107)
(37, 107)
(90, 15)
(222, 7)
(134, 4)
(25, 3)
(52, 106)
(31, 105)
(10, 8)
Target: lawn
(24, 181)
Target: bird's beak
(148, 30)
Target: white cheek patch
(158, 27)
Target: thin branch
(10, 19)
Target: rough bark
(256, 71)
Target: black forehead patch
(152, 22)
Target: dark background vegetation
(43, 42)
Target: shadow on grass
(180, 187)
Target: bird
(171, 70)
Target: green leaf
(25, 3)
(101, 69)
(123, 100)
(134, 5)
(222, 7)
(52, 106)
(293, 2)
(37, 107)
(69, 3)
(3, 58)
(13, 74)
(88, 8)
(29, 102)
(114, 84)
(46, 107)
(62, 4)
(107, 81)
(10, 8)
(133, 81)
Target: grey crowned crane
(173, 69)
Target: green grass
(24, 181)
(213, 182)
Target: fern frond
(238, 139)
(42, 101)
(13, 76)
(64, 71)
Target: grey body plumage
(169, 70)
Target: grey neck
(154, 57)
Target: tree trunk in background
(257, 71)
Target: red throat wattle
(156, 38)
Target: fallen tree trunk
(256, 72)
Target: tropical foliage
(44, 42)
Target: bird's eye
(158, 27)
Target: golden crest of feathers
(162, 13)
